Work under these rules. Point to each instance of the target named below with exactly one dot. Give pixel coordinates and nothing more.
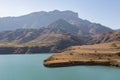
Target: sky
(105, 12)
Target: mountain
(118, 30)
(43, 19)
(63, 26)
(57, 36)
(35, 19)
(25, 35)
(48, 32)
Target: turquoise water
(30, 67)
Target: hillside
(98, 54)
(56, 36)
(106, 37)
(19, 35)
(53, 38)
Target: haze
(105, 12)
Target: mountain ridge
(42, 19)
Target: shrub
(114, 45)
(71, 53)
(118, 47)
(118, 53)
(95, 51)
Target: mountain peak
(55, 11)
(59, 23)
(63, 26)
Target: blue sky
(106, 12)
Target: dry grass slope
(98, 54)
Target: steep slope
(41, 19)
(106, 37)
(54, 37)
(59, 35)
(90, 28)
(63, 26)
(19, 35)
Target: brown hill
(98, 54)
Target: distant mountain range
(43, 19)
(53, 31)
(118, 30)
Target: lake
(30, 67)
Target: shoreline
(79, 63)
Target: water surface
(30, 67)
